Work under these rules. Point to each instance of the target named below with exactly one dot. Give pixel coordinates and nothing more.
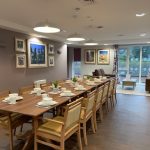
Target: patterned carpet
(139, 90)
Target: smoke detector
(88, 1)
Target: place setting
(80, 88)
(12, 98)
(37, 91)
(46, 101)
(66, 93)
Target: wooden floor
(127, 127)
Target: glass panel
(134, 62)
(145, 63)
(122, 63)
(76, 68)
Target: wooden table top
(27, 105)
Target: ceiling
(117, 17)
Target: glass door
(134, 62)
(145, 63)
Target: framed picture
(51, 60)
(89, 56)
(50, 49)
(20, 60)
(20, 45)
(37, 54)
(103, 57)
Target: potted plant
(55, 85)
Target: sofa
(101, 72)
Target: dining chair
(87, 112)
(26, 89)
(98, 106)
(10, 121)
(45, 86)
(60, 128)
(111, 91)
(105, 96)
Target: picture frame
(90, 56)
(50, 49)
(20, 60)
(103, 56)
(20, 45)
(37, 54)
(51, 61)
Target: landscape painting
(37, 55)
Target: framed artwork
(37, 54)
(51, 60)
(20, 45)
(20, 60)
(103, 57)
(50, 49)
(89, 56)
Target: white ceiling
(116, 16)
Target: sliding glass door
(134, 60)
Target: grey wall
(13, 78)
(89, 68)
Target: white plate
(46, 104)
(91, 84)
(80, 89)
(17, 99)
(35, 92)
(67, 95)
(54, 92)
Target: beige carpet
(139, 90)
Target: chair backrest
(4, 94)
(45, 86)
(26, 90)
(99, 94)
(89, 102)
(111, 86)
(72, 113)
(105, 92)
(39, 82)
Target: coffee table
(131, 82)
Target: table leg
(35, 126)
(10, 131)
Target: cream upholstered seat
(61, 128)
(98, 106)
(87, 112)
(26, 89)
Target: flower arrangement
(55, 84)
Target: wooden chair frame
(66, 132)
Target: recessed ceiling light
(46, 28)
(106, 44)
(140, 15)
(148, 42)
(143, 34)
(75, 37)
(90, 43)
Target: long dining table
(28, 105)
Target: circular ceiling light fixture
(140, 15)
(143, 34)
(45, 27)
(75, 38)
(90, 43)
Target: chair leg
(92, 123)
(62, 145)
(79, 139)
(84, 133)
(95, 122)
(35, 144)
(101, 113)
